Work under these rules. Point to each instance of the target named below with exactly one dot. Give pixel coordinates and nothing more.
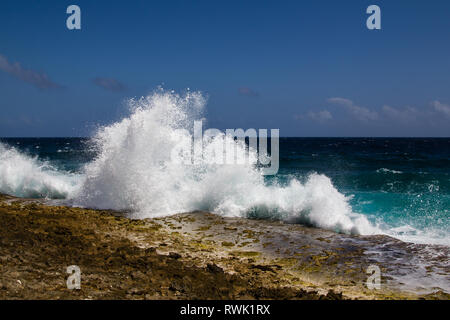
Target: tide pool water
(394, 186)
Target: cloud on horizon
(441, 108)
(320, 116)
(406, 114)
(436, 115)
(39, 80)
(109, 84)
(361, 113)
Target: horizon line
(305, 137)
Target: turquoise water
(401, 184)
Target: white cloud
(360, 113)
(441, 108)
(320, 116)
(407, 114)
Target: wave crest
(25, 176)
(134, 171)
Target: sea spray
(25, 176)
(135, 171)
(411, 206)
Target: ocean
(394, 186)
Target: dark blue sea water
(401, 184)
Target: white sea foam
(135, 171)
(25, 176)
(386, 170)
(428, 236)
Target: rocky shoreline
(194, 255)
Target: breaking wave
(135, 171)
(25, 176)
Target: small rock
(174, 255)
(214, 268)
(150, 250)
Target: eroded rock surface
(199, 256)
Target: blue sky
(309, 68)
